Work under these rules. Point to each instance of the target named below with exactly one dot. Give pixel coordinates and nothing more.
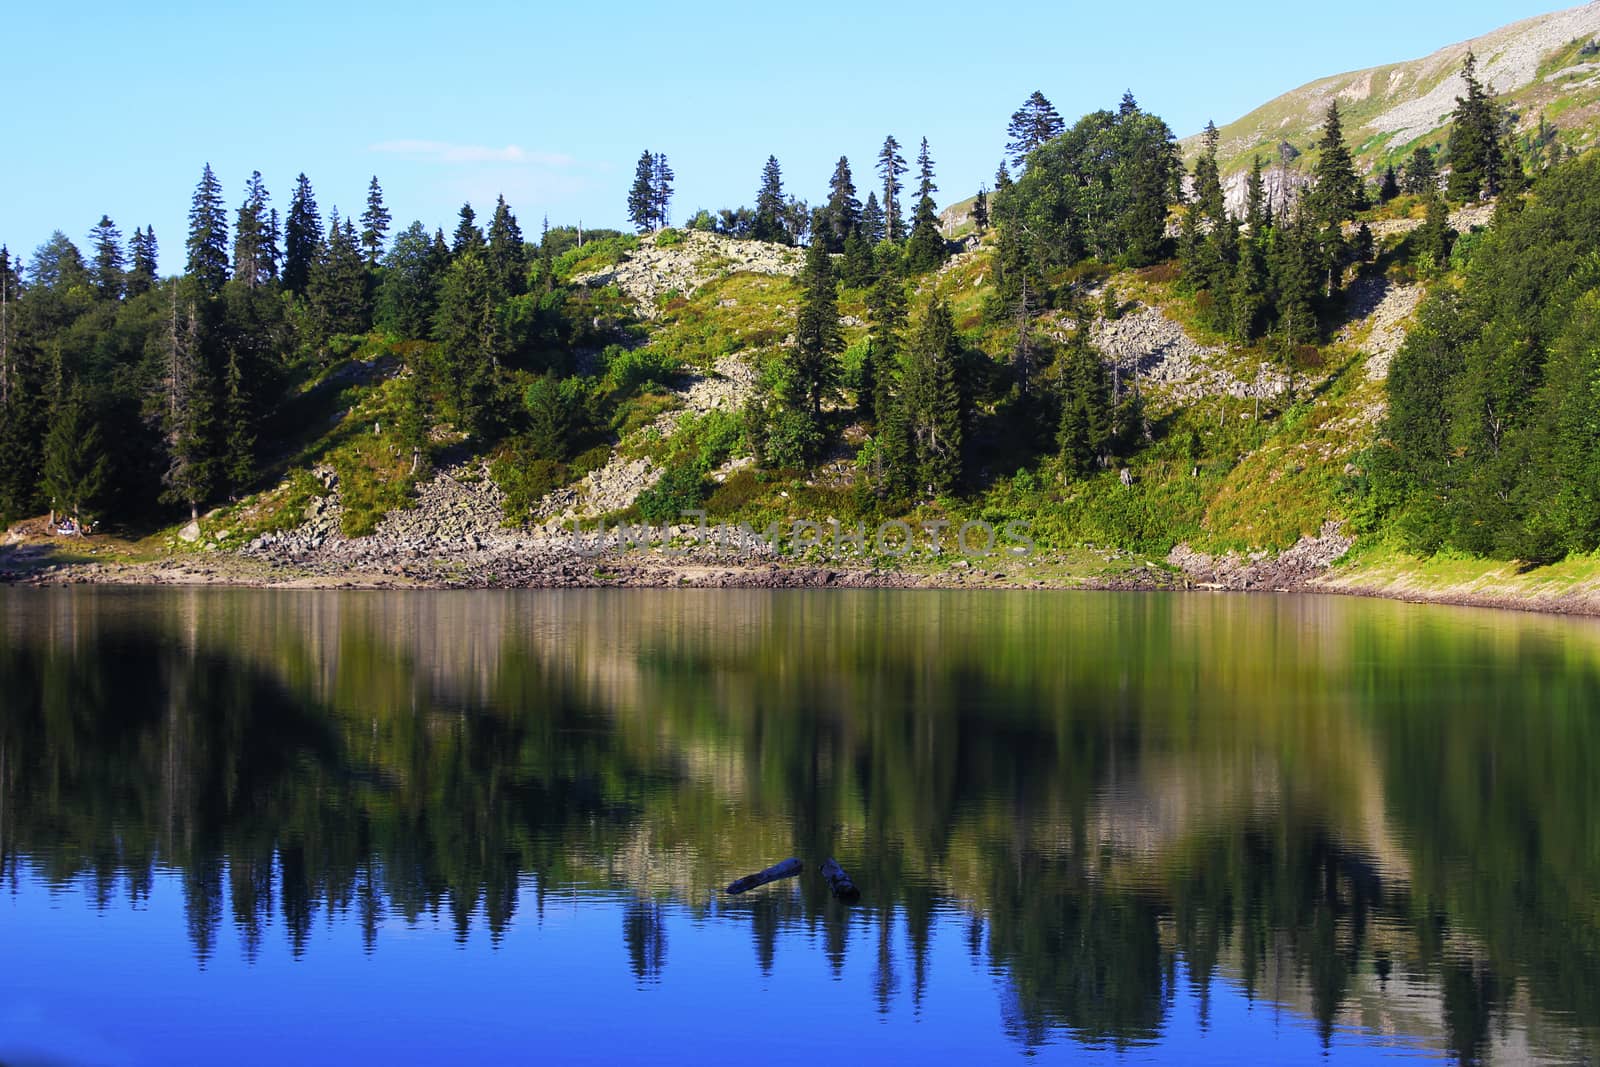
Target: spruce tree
(1336, 194)
(143, 253)
(468, 327)
(189, 416)
(409, 293)
(1208, 178)
(891, 165)
(813, 363)
(208, 235)
(661, 179)
(1034, 123)
(238, 438)
(872, 222)
(925, 184)
(255, 250)
(1432, 240)
(771, 209)
(106, 270)
(980, 210)
(374, 224)
(337, 292)
(302, 233)
(506, 253)
(925, 249)
(1084, 433)
(1389, 187)
(641, 197)
(1257, 212)
(468, 237)
(1476, 158)
(843, 213)
(930, 399)
(1422, 174)
(76, 465)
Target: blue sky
(114, 107)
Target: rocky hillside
(1544, 66)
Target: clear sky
(114, 106)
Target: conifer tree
(239, 438)
(106, 270)
(1295, 273)
(930, 399)
(1084, 433)
(1476, 157)
(1207, 178)
(872, 222)
(255, 250)
(208, 235)
(813, 364)
(843, 213)
(891, 165)
(143, 254)
(302, 233)
(506, 254)
(661, 179)
(76, 465)
(771, 209)
(980, 210)
(1337, 193)
(925, 248)
(925, 184)
(1257, 212)
(408, 295)
(1034, 123)
(641, 198)
(374, 224)
(338, 289)
(857, 271)
(1422, 174)
(1433, 236)
(468, 237)
(1389, 187)
(468, 327)
(188, 417)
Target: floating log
(839, 881)
(787, 869)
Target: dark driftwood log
(787, 869)
(839, 882)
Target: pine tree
(76, 466)
(843, 213)
(468, 327)
(925, 248)
(1422, 174)
(255, 252)
(239, 439)
(858, 271)
(641, 198)
(925, 184)
(189, 411)
(208, 235)
(1295, 273)
(930, 399)
(661, 179)
(468, 238)
(1084, 433)
(891, 165)
(1476, 159)
(337, 292)
(374, 224)
(507, 255)
(771, 209)
(1337, 193)
(1432, 240)
(872, 221)
(106, 272)
(980, 210)
(813, 363)
(142, 271)
(302, 233)
(1034, 123)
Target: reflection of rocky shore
(1106, 787)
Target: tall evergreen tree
(374, 224)
(255, 252)
(813, 364)
(1084, 434)
(143, 254)
(1422, 173)
(238, 438)
(76, 465)
(302, 233)
(1389, 187)
(409, 293)
(189, 415)
(338, 288)
(106, 268)
(507, 254)
(468, 237)
(891, 165)
(661, 179)
(469, 329)
(208, 235)
(1208, 194)
(930, 399)
(925, 248)
(768, 224)
(925, 184)
(843, 213)
(1257, 212)
(641, 197)
(980, 210)
(873, 227)
(1476, 157)
(1337, 193)
(1032, 124)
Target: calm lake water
(256, 827)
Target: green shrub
(629, 368)
(680, 489)
(669, 237)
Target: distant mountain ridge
(1547, 65)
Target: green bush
(629, 368)
(680, 489)
(669, 237)
(526, 477)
